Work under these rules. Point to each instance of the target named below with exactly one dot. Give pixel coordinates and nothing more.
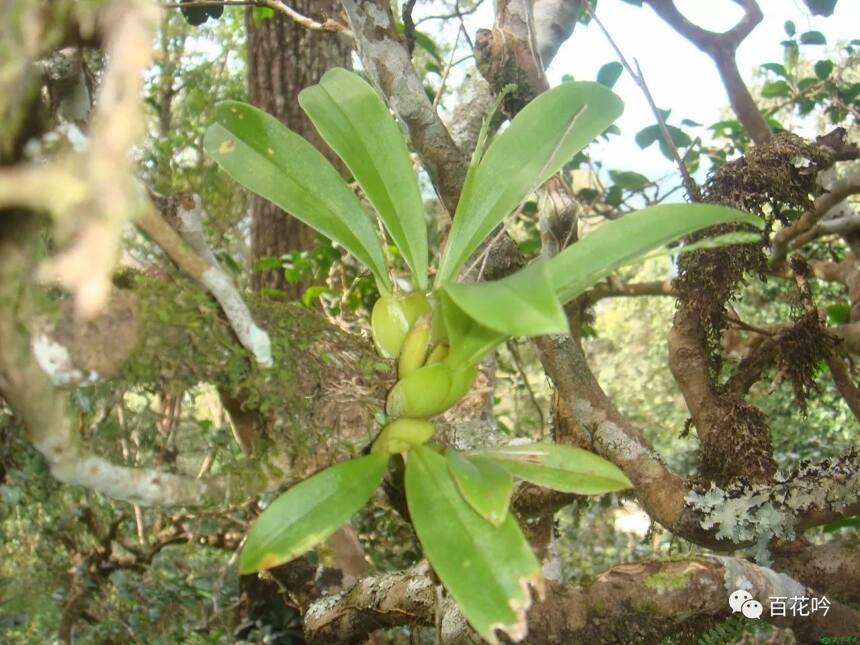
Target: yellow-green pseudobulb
(430, 390)
(415, 346)
(401, 435)
(438, 353)
(392, 318)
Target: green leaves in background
(523, 304)
(620, 241)
(629, 180)
(485, 485)
(487, 569)
(354, 121)
(196, 16)
(821, 7)
(539, 140)
(609, 74)
(563, 468)
(823, 69)
(776, 89)
(812, 38)
(650, 134)
(263, 155)
(310, 511)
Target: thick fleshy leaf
(310, 511)
(484, 484)
(468, 339)
(621, 241)
(523, 304)
(269, 159)
(487, 569)
(538, 141)
(355, 122)
(559, 467)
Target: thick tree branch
(722, 47)
(639, 602)
(809, 225)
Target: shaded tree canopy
(176, 352)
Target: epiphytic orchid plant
(441, 329)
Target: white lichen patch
(417, 585)
(321, 607)
(377, 14)
(620, 448)
(758, 513)
(56, 362)
(743, 517)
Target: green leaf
(776, 68)
(790, 28)
(629, 180)
(621, 241)
(487, 569)
(539, 140)
(559, 467)
(821, 7)
(648, 135)
(469, 340)
(310, 511)
(354, 121)
(805, 83)
(838, 313)
(262, 14)
(823, 69)
(775, 89)
(523, 304)
(609, 74)
(812, 38)
(485, 485)
(266, 157)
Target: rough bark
(284, 58)
(641, 602)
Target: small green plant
(440, 330)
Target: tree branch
(310, 24)
(387, 61)
(657, 594)
(722, 48)
(203, 267)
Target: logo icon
(742, 601)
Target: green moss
(185, 340)
(664, 581)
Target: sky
(679, 76)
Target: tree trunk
(284, 58)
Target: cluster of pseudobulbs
(407, 329)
